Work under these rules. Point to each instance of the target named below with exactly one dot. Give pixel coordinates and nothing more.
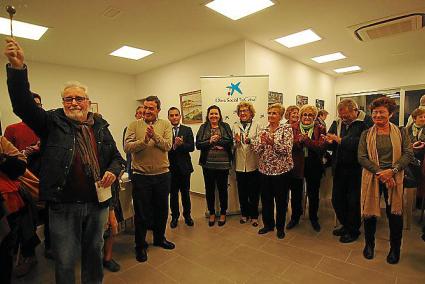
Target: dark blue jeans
(76, 229)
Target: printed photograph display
(191, 107)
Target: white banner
(226, 93)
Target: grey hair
(422, 100)
(74, 84)
(348, 103)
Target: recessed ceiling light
(329, 57)
(236, 9)
(22, 29)
(348, 69)
(131, 52)
(299, 38)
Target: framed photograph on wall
(301, 100)
(320, 104)
(94, 107)
(191, 107)
(275, 97)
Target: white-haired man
(343, 138)
(79, 162)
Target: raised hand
(14, 53)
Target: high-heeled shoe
(211, 221)
(222, 222)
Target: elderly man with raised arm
(79, 162)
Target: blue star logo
(234, 87)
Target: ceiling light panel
(348, 69)
(237, 9)
(329, 57)
(22, 29)
(131, 52)
(300, 38)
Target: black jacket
(203, 140)
(57, 138)
(180, 157)
(345, 154)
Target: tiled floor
(235, 253)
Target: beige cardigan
(245, 158)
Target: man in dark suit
(180, 167)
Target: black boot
(369, 250)
(394, 255)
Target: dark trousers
(346, 198)
(77, 229)
(213, 178)
(150, 201)
(180, 183)
(313, 174)
(249, 193)
(395, 222)
(296, 187)
(7, 247)
(274, 189)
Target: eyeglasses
(244, 110)
(308, 115)
(68, 100)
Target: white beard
(76, 114)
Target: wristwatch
(395, 170)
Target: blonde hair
(289, 110)
(279, 106)
(305, 108)
(247, 105)
(74, 84)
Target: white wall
(113, 92)
(384, 77)
(291, 77)
(239, 58)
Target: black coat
(57, 136)
(180, 157)
(345, 154)
(203, 140)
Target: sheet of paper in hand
(103, 193)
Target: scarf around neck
(417, 130)
(85, 148)
(370, 196)
(307, 129)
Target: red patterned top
(275, 159)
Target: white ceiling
(81, 36)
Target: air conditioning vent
(390, 26)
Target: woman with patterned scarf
(384, 152)
(307, 153)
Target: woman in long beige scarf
(384, 152)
